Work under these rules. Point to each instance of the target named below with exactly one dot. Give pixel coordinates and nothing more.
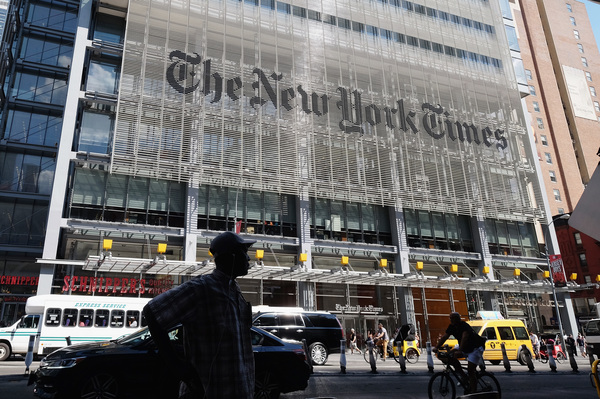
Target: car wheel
(266, 386)
(100, 386)
(318, 354)
(4, 351)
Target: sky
(593, 9)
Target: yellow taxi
(511, 332)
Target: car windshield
(136, 338)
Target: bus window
(69, 317)
(85, 317)
(101, 318)
(53, 317)
(133, 318)
(116, 318)
(144, 322)
(29, 321)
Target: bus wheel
(4, 351)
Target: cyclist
(470, 344)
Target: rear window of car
(322, 320)
(290, 320)
(593, 328)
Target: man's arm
(442, 340)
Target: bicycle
(392, 353)
(441, 384)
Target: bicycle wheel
(412, 356)
(441, 386)
(487, 382)
(366, 354)
(560, 357)
(543, 358)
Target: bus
(59, 320)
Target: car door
(268, 322)
(291, 326)
(493, 350)
(510, 344)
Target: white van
(57, 319)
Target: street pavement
(328, 381)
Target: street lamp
(562, 334)
(237, 193)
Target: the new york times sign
(436, 122)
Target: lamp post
(562, 334)
(237, 193)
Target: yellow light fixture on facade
(344, 260)
(573, 276)
(517, 272)
(382, 262)
(598, 278)
(486, 270)
(107, 244)
(419, 266)
(546, 274)
(453, 268)
(260, 253)
(162, 248)
(303, 257)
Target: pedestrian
(383, 337)
(581, 344)
(535, 343)
(570, 341)
(216, 320)
(353, 346)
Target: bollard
(525, 350)
(429, 358)
(68, 341)
(505, 358)
(29, 356)
(343, 356)
(551, 361)
(401, 359)
(571, 354)
(372, 357)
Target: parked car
(321, 330)
(104, 369)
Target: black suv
(321, 330)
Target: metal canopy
(339, 275)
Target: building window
(577, 237)
(593, 91)
(556, 194)
(528, 74)
(540, 123)
(532, 90)
(580, 47)
(583, 260)
(511, 238)
(544, 140)
(436, 230)
(536, 106)
(584, 61)
(588, 76)
(569, 8)
(548, 157)
(573, 21)
(552, 176)
(576, 33)
(597, 106)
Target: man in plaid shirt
(216, 320)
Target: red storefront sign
(116, 285)
(18, 280)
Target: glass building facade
(373, 129)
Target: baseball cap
(228, 242)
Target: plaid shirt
(216, 321)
